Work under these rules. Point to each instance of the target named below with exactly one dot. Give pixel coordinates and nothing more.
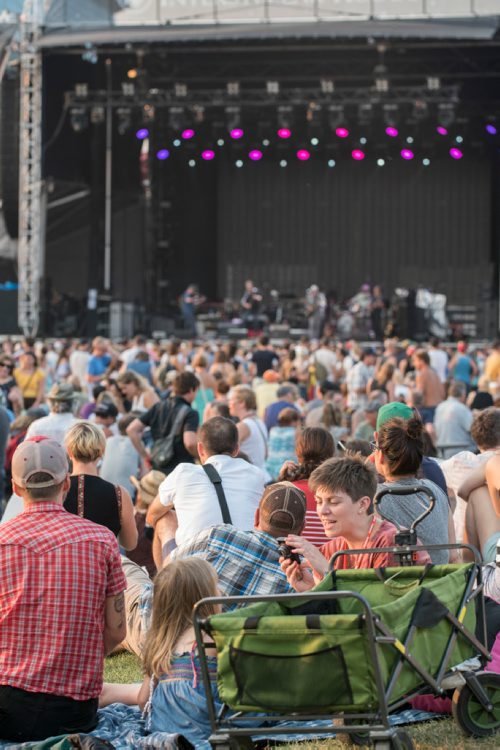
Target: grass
(441, 734)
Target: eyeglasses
(374, 446)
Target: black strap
(214, 477)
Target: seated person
(482, 520)
(344, 489)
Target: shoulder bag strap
(80, 495)
(179, 419)
(214, 477)
(118, 491)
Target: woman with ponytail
(398, 456)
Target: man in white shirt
(60, 419)
(78, 361)
(189, 492)
(439, 359)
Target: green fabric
(282, 665)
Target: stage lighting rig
(97, 114)
(285, 117)
(335, 116)
(124, 118)
(233, 118)
(446, 114)
(233, 88)
(81, 90)
(79, 119)
(128, 89)
(176, 118)
(273, 88)
(327, 86)
(391, 114)
(433, 83)
(180, 90)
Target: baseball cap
(373, 406)
(106, 409)
(148, 485)
(61, 392)
(283, 506)
(396, 409)
(39, 454)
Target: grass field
(431, 735)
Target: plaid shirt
(247, 563)
(56, 570)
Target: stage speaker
(8, 312)
(9, 153)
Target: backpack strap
(214, 477)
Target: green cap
(391, 411)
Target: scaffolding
(31, 240)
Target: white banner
(155, 12)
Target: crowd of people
(140, 477)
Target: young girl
(172, 693)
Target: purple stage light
(342, 132)
(455, 153)
(162, 154)
(392, 132)
(358, 155)
(303, 154)
(187, 134)
(407, 154)
(236, 133)
(142, 134)
(441, 130)
(284, 133)
(491, 129)
(208, 154)
(255, 154)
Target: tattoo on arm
(119, 603)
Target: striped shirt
(313, 529)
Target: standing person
(263, 358)
(315, 311)
(377, 310)
(251, 429)
(358, 378)
(79, 360)
(206, 391)
(190, 300)
(250, 304)
(91, 497)
(428, 383)
(69, 570)
(492, 367)
(452, 422)
(438, 359)
(101, 360)
(173, 424)
(30, 380)
(462, 367)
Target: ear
(364, 503)
(375, 436)
(256, 518)
(17, 489)
(236, 451)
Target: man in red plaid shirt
(61, 603)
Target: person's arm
(150, 399)
(156, 510)
(313, 556)
(492, 475)
(115, 628)
(144, 691)
(299, 577)
(128, 532)
(190, 440)
(243, 431)
(455, 556)
(475, 479)
(134, 431)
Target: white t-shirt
(78, 361)
(455, 470)
(255, 445)
(54, 426)
(195, 500)
(439, 363)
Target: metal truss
(31, 240)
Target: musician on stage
(251, 303)
(315, 310)
(190, 300)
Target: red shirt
(382, 536)
(56, 571)
(313, 530)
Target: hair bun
(414, 428)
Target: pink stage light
(208, 154)
(455, 153)
(236, 133)
(358, 155)
(255, 154)
(342, 132)
(284, 133)
(392, 132)
(407, 154)
(441, 130)
(303, 154)
(187, 134)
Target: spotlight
(208, 154)
(342, 133)
(455, 153)
(363, 141)
(283, 163)
(132, 73)
(124, 117)
(265, 142)
(238, 163)
(314, 141)
(409, 139)
(446, 114)
(233, 88)
(187, 134)
(176, 143)
(459, 139)
(284, 133)
(335, 116)
(491, 129)
(426, 162)
(236, 133)
(358, 155)
(142, 134)
(392, 132)
(331, 163)
(380, 162)
(407, 154)
(162, 154)
(79, 119)
(255, 154)
(303, 154)
(441, 130)
(97, 115)
(180, 90)
(192, 163)
(220, 142)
